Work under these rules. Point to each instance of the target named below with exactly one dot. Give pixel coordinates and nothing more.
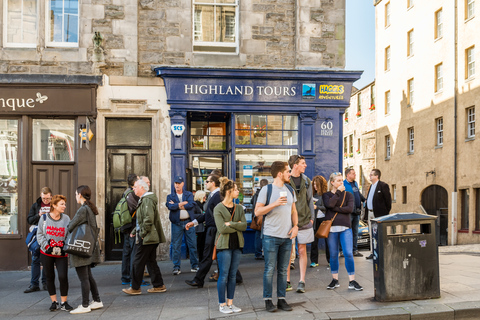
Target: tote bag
(81, 241)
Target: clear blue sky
(360, 39)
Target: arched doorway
(435, 202)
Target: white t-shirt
(183, 213)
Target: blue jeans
(228, 261)
(277, 253)
(334, 240)
(127, 257)
(258, 244)
(355, 220)
(178, 230)
(36, 271)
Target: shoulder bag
(81, 241)
(214, 255)
(324, 229)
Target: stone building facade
(359, 135)
(427, 96)
(113, 46)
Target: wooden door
(60, 179)
(435, 202)
(120, 163)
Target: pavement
(459, 282)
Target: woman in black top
(339, 204)
(319, 187)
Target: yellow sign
(331, 89)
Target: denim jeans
(127, 257)
(258, 244)
(355, 220)
(178, 230)
(334, 240)
(228, 261)
(277, 254)
(35, 273)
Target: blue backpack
(31, 240)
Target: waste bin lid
(404, 216)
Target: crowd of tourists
(289, 211)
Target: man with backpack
(258, 233)
(128, 204)
(276, 203)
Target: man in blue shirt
(352, 187)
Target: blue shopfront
(241, 120)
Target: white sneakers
(93, 306)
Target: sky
(360, 39)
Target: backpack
(121, 217)
(258, 221)
(31, 239)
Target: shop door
(435, 202)
(60, 179)
(200, 168)
(120, 163)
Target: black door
(435, 202)
(120, 163)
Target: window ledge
(410, 56)
(387, 159)
(470, 79)
(439, 92)
(476, 231)
(470, 139)
(439, 146)
(463, 231)
(410, 153)
(10, 236)
(468, 19)
(438, 39)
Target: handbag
(81, 241)
(214, 254)
(256, 223)
(324, 229)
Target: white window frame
(410, 39)
(394, 193)
(409, 4)
(359, 103)
(387, 14)
(439, 125)
(411, 92)
(49, 43)
(5, 28)
(439, 23)
(411, 140)
(214, 44)
(471, 123)
(439, 77)
(470, 60)
(387, 58)
(388, 146)
(469, 9)
(387, 102)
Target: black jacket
(33, 216)
(333, 203)
(382, 200)
(208, 216)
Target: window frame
(372, 98)
(411, 140)
(394, 193)
(387, 58)
(464, 209)
(388, 147)
(438, 24)
(439, 131)
(410, 43)
(411, 92)
(404, 195)
(359, 104)
(387, 102)
(470, 115)
(7, 44)
(57, 44)
(267, 130)
(213, 44)
(350, 145)
(387, 14)
(470, 63)
(469, 9)
(439, 77)
(476, 192)
(410, 4)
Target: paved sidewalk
(460, 294)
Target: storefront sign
(177, 129)
(45, 100)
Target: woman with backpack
(51, 233)
(86, 213)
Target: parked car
(363, 235)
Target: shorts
(305, 236)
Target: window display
(53, 140)
(8, 177)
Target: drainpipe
(453, 225)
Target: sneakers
(334, 284)
(65, 306)
(213, 277)
(132, 291)
(125, 283)
(54, 306)
(270, 306)
(283, 305)
(289, 286)
(353, 285)
(357, 254)
(145, 283)
(157, 289)
(301, 287)
(94, 305)
(194, 269)
(31, 289)
(176, 272)
(369, 257)
(81, 309)
(224, 309)
(234, 308)
(341, 254)
(313, 265)
(292, 266)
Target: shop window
(53, 140)
(272, 130)
(215, 26)
(464, 199)
(8, 173)
(20, 29)
(62, 23)
(208, 135)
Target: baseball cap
(178, 179)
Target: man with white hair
(149, 233)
